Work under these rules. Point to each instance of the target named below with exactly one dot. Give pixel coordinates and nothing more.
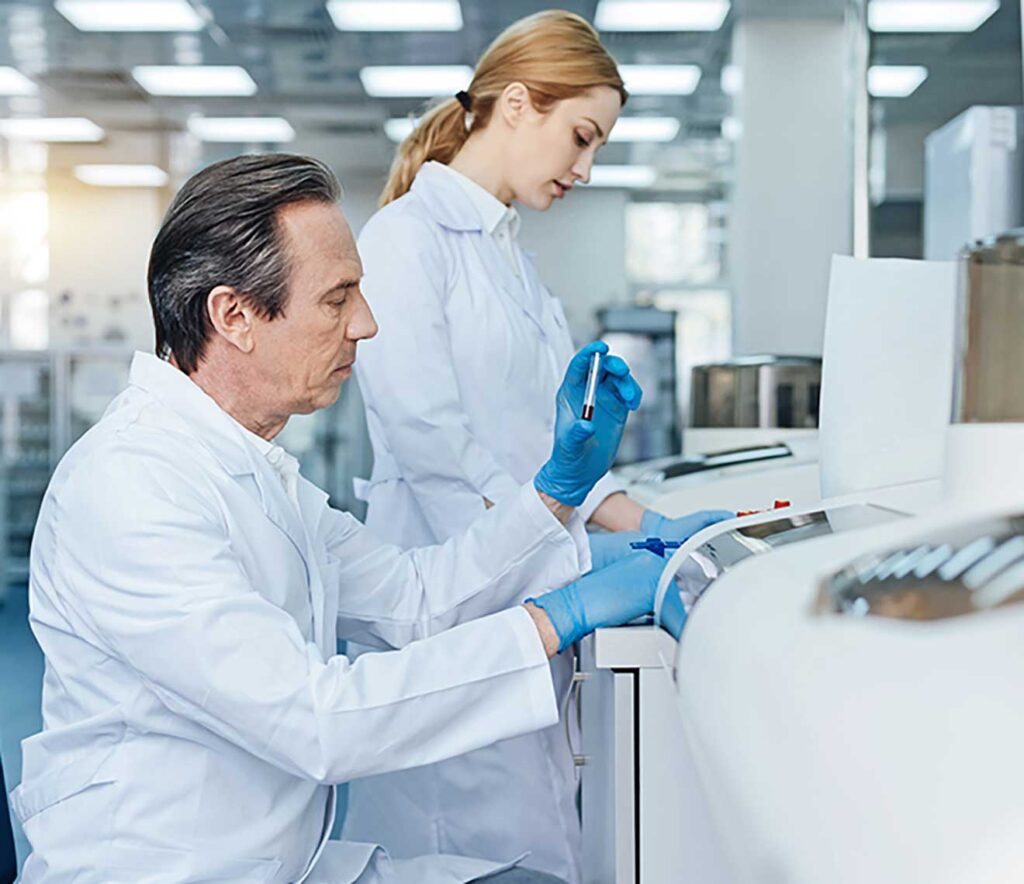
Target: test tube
(590, 396)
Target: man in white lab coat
(188, 586)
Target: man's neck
(225, 385)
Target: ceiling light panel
(194, 79)
(645, 129)
(895, 81)
(242, 130)
(50, 129)
(121, 175)
(130, 15)
(661, 15)
(732, 129)
(396, 15)
(14, 82)
(732, 79)
(399, 128)
(622, 176)
(408, 81)
(660, 79)
(929, 16)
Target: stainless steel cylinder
(989, 380)
(757, 391)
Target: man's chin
(330, 395)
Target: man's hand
(610, 597)
(608, 548)
(548, 636)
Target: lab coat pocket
(161, 864)
(43, 792)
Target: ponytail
(439, 135)
(555, 54)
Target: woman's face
(548, 153)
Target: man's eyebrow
(600, 131)
(346, 283)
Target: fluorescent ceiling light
(661, 15)
(408, 81)
(645, 129)
(130, 15)
(121, 175)
(622, 176)
(895, 81)
(732, 129)
(242, 130)
(50, 129)
(660, 79)
(14, 82)
(399, 128)
(194, 79)
(925, 16)
(732, 79)
(396, 15)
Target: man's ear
(514, 103)
(232, 317)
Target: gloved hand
(609, 547)
(654, 524)
(609, 597)
(583, 451)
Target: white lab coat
(196, 715)
(459, 389)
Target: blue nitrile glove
(611, 546)
(609, 597)
(654, 524)
(608, 547)
(583, 451)
(673, 614)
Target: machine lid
(714, 461)
(695, 573)
(758, 360)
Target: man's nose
(363, 326)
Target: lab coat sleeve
(406, 375)
(515, 550)
(605, 487)
(152, 579)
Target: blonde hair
(555, 54)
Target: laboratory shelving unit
(47, 400)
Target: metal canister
(989, 366)
(757, 391)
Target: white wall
(580, 252)
(793, 200)
(99, 248)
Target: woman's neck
(478, 160)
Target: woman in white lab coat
(464, 320)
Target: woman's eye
(581, 141)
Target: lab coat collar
(213, 426)
(453, 208)
(446, 199)
(493, 212)
(226, 440)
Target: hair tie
(465, 99)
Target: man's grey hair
(222, 229)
